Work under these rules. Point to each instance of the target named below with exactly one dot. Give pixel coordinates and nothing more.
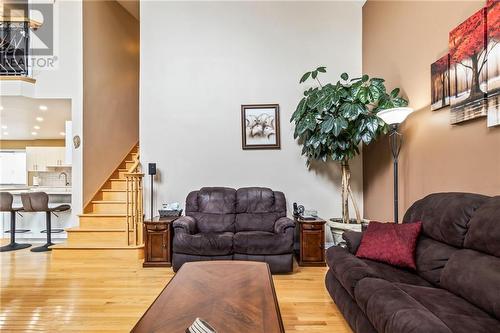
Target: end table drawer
(312, 226)
(156, 227)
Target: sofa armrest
(282, 224)
(352, 239)
(186, 224)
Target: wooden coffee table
(232, 296)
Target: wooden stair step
(108, 206)
(103, 221)
(98, 237)
(112, 195)
(93, 251)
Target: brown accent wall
(400, 41)
(22, 144)
(110, 90)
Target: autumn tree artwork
(440, 83)
(493, 63)
(468, 69)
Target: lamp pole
(396, 140)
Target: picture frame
(440, 83)
(260, 126)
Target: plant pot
(338, 228)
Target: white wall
(65, 80)
(201, 60)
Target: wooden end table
(312, 242)
(158, 234)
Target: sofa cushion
(204, 244)
(390, 243)
(258, 208)
(431, 256)
(445, 216)
(217, 200)
(474, 276)
(206, 223)
(347, 305)
(254, 200)
(391, 310)
(349, 270)
(399, 307)
(255, 222)
(262, 242)
(458, 314)
(484, 228)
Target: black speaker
(152, 169)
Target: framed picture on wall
(493, 47)
(440, 83)
(260, 126)
(468, 73)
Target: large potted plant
(333, 120)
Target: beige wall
(216, 56)
(110, 88)
(21, 144)
(400, 41)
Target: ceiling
(18, 118)
(131, 6)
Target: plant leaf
(304, 77)
(344, 76)
(395, 92)
(327, 125)
(314, 74)
(321, 69)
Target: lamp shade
(394, 116)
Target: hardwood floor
(41, 294)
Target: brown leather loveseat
(225, 224)
(456, 287)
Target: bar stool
(6, 200)
(39, 202)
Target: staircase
(111, 225)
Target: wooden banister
(135, 212)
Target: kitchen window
(13, 167)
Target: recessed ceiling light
(36, 127)
(43, 107)
(62, 133)
(1, 107)
(40, 119)
(4, 126)
(34, 133)
(5, 133)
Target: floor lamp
(395, 117)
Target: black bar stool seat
(6, 200)
(39, 202)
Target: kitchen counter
(17, 190)
(35, 221)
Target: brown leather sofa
(225, 224)
(456, 287)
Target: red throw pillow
(391, 243)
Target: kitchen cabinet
(41, 158)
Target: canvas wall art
(468, 69)
(260, 126)
(493, 64)
(440, 83)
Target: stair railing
(135, 212)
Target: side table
(158, 235)
(312, 242)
